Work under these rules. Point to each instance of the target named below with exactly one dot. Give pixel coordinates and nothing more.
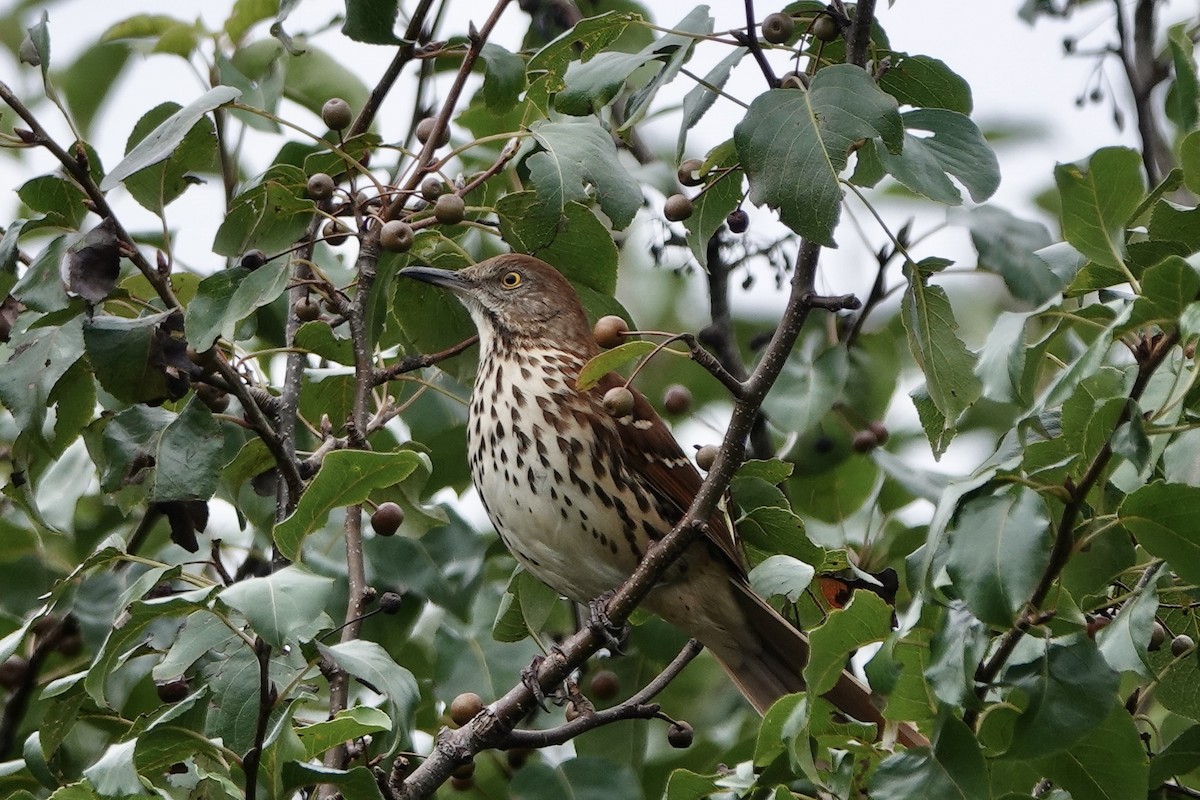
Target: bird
(579, 495)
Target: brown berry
(336, 114)
(12, 672)
(689, 170)
(826, 28)
(680, 735)
(396, 236)
(70, 645)
(387, 519)
(618, 401)
(464, 770)
(738, 221)
(216, 400)
(1095, 624)
(335, 233)
(1158, 635)
(307, 309)
(252, 259)
(677, 208)
(707, 456)
(389, 602)
(777, 28)
(610, 331)
(864, 442)
(320, 186)
(425, 130)
(432, 188)
(465, 708)
(462, 784)
(1182, 645)
(449, 209)
(880, 430)
(605, 685)
(677, 399)
(173, 691)
(517, 756)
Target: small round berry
(689, 170)
(432, 188)
(216, 400)
(1182, 645)
(425, 130)
(610, 331)
(307, 309)
(823, 445)
(389, 602)
(826, 28)
(396, 236)
(252, 259)
(677, 208)
(449, 209)
(1158, 635)
(864, 442)
(707, 456)
(336, 114)
(335, 233)
(605, 685)
(462, 784)
(677, 399)
(465, 708)
(464, 770)
(618, 401)
(680, 735)
(777, 28)
(172, 691)
(517, 756)
(320, 186)
(880, 430)
(738, 220)
(387, 519)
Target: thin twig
(749, 39)
(421, 361)
(404, 54)
(250, 764)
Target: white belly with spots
(531, 478)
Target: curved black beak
(448, 279)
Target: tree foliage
(230, 561)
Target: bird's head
(513, 297)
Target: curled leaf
(90, 268)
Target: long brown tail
(776, 670)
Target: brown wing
(651, 450)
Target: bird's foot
(529, 677)
(598, 622)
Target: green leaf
(349, 723)
(954, 769)
(162, 141)
(1108, 763)
(1179, 757)
(1070, 689)
(245, 13)
(270, 215)
(51, 194)
(1007, 246)
(611, 360)
(576, 778)
(925, 82)
(156, 186)
(1162, 517)
(574, 156)
(782, 575)
(524, 608)
(86, 83)
(955, 148)
(772, 530)
(865, 619)
(1167, 289)
(1189, 159)
(999, 548)
(318, 338)
(710, 210)
(807, 389)
(371, 21)
(574, 240)
(1123, 641)
(1183, 100)
(371, 664)
(592, 85)
(794, 144)
(114, 773)
(1098, 198)
(283, 608)
(40, 358)
(314, 76)
(505, 77)
(700, 98)
(346, 477)
(582, 42)
(226, 298)
(948, 366)
(189, 456)
(673, 49)
(129, 357)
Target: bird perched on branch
(579, 492)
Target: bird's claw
(529, 677)
(598, 622)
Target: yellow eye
(511, 280)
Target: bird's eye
(511, 280)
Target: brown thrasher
(578, 495)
